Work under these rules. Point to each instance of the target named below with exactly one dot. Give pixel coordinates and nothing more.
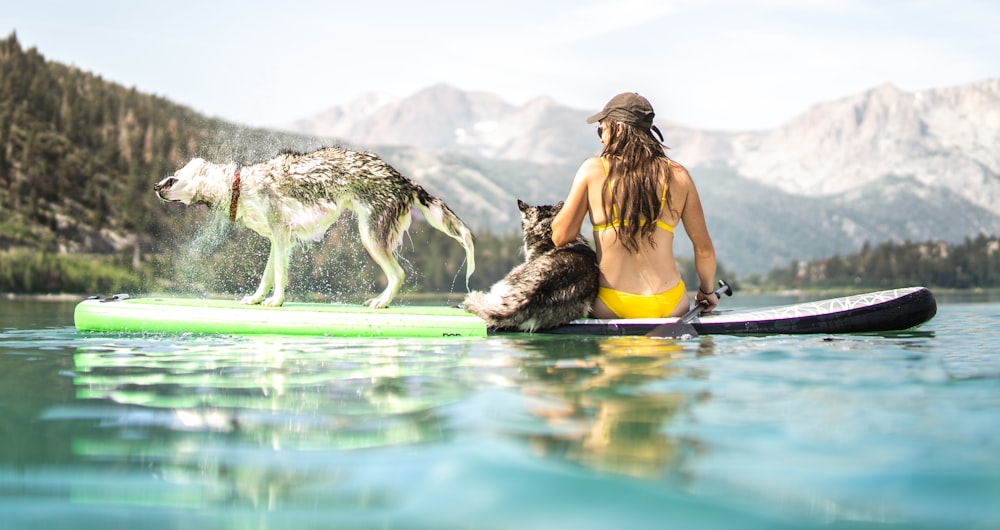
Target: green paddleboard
(209, 316)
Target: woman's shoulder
(598, 162)
(676, 166)
(679, 174)
(593, 168)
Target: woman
(636, 197)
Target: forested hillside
(78, 158)
(972, 264)
(79, 155)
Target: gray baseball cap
(629, 108)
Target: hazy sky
(713, 64)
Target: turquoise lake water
(785, 432)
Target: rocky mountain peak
(936, 137)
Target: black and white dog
(298, 196)
(552, 287)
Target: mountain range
(882, 165)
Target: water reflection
(215, 416)
(286, 382)
(594, 397)
(222, 415)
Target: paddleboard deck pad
(892, 310)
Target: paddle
(682, 329)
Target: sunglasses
(600, 131)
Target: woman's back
(650, 270)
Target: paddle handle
(724, 289)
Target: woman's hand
(710, 301)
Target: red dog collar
(235, 198)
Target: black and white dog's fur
(298, 196)
(553, 285)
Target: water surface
(855, 431)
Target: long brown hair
(637, 166)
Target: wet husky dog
(298, 196)
(553, 285)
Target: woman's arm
(693, 216)
(566, 224)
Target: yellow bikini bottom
(627, 305)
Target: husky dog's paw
(251, 300)
(377, 302)
(273, 301)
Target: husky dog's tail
(502, 307)
(441, 217)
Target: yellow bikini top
(615, 223)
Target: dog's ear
(558, 206)
(521, 205)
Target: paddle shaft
(683, 328)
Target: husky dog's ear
(521, 205)
(558, 206)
